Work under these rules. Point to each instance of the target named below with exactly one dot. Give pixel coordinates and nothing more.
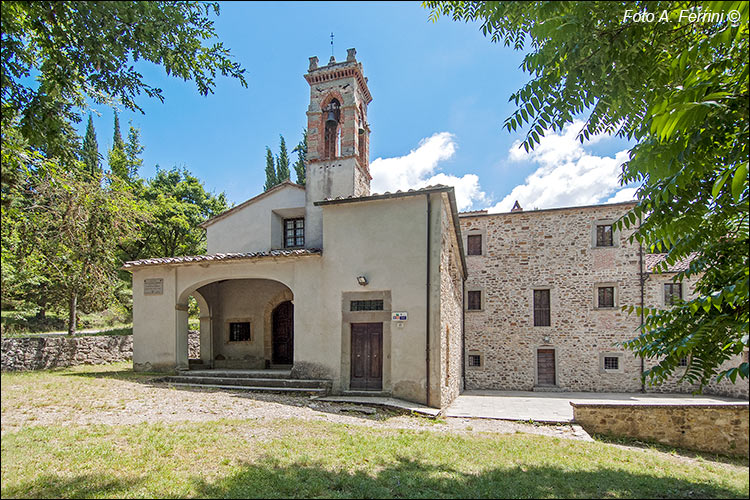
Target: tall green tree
(177, 202)
(118, 162)
(133, 149)
(299, 165)
(679, 89)
(90, 155)
(282, 162)
(73, 226)
(271, 177)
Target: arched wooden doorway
(282, 336)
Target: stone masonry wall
(709, 428)
(450, 312)
(38, 353)
(554, 249)
(551, 249)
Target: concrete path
(555, 406)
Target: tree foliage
(177, 203)
(299, 165)
(678, 87)
(90, 154)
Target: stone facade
(451, 303)
(38, 353)
(715, 428)
(556, 250)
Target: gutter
(427, 301)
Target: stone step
(306, 390)
(249, 381)
(373, 394)
(227, 373)
(548, 388)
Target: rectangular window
(683, 361)
(604, 235)
(366, 305)
(294, 233)
(474, 244)
(611, 363)
(672, 293)
(239, 332)
(475, 300)
(475, 360)
(541, 308)
(606, 296)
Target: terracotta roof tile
(219, 257)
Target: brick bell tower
(338, 138)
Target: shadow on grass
(81, 486)
(413, 479)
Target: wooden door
(367, 356)
(282, 335)
(545, 367)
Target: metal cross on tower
(331, 43)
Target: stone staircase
(272, 380)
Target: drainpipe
(427, 302)
(463, 334)
(642, 279)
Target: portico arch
(236, 321)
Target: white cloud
(417, 169)
(626, 194)
(567, 175)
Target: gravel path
(125, 402)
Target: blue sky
(440, 98)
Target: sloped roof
(219, 257)
(651, 260)
(278, 187)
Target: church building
(327, 280)
(397, 294)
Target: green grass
(302, 459)
(233, 459)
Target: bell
(331, 118)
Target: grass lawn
(23, 324)
(301, 459)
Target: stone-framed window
(474, 300)
(611, 362)
(294, 233)
(542, 307)
(239, 331)
(605, 296)
(366, 305)
(474, 360)
(474, 244)
(604, 234)
(672, 293)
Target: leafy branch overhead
(678, 88)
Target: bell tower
(338, 138)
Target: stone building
(543, 301)
(325, 280)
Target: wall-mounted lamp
(362, 280)
(545, 339)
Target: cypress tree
(118, 162)
(133, 149)
(90, 154)
(299, 165)
(282, 163)
(271, 179)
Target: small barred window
(604, 235)
(611, 363)
(475, 360)
(239, 332)
(366, 305)
(606, 296)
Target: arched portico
(236, 322)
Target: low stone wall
(38, 353)
(715, 428)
